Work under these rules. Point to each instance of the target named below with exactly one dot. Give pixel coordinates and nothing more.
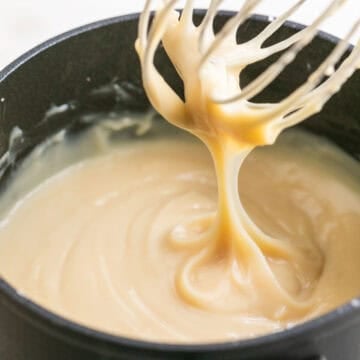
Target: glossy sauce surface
(104, 241)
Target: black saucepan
(85, 68)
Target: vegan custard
(163, 238)
(105, 241)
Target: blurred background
(26, 23)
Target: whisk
(205, 48)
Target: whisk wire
(302, 39)
(301, 103)
(295, 99)
(320, 95)
(277, 23)
(207, 32)
(229, 29)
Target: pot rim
(59, 325)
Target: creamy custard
(104, 241)
(161, 238)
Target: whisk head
(197, 51)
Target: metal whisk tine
(318, 96)
(318, 99)
(276, 24)
(296, 99)
(146, 45)
(301, 39)
(321, 95)
(230, 28)
(144, 35)
(207, 32)
(158, 29)
(334, 5)
(144, 24)
(187, 13)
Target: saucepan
(94, 69)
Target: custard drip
(247, 257)
(229, 240)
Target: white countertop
(26, 23)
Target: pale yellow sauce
(105, 241)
